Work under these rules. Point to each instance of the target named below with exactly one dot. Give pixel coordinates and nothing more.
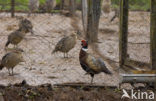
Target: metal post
(153, 35)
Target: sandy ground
(55, 69)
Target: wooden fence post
(94, 12)
(123, 31)
(72, 7)
(12, 8)
(153, 35)
(84, 14)
(61, 4)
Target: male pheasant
(91, 64)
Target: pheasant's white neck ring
(85, 49)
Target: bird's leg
(6, 48)
(35, 14)
(92, 75)
(29, 13)
(52, 14)
(15, 46)
(12, 71)
(64, 55)
(67, 55)
(9, 71)
(92, 80)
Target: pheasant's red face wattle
(84, 43)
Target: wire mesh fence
(49, 29)
(139, 36)
(138, 46)
(37, 6)
(46, 67)
(19, 5)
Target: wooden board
(79, 85)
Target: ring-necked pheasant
(11, 59)
(66, 44)
(91, 64)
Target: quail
(11, 59)
(50, 4)
(66, 44)
(33, 6)
(26, 24)
(18, 35)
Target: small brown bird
(116, 15)
(66, 44)
(16, 37)
(106, 6)
(91, 64)
(50, 5)
(11, 59)
(26, 24)
(33, 6)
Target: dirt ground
(48, 93)
(54, 69)
(48, 68)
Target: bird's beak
(81, 44)
(86, 73)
